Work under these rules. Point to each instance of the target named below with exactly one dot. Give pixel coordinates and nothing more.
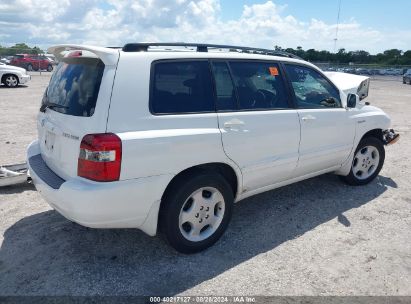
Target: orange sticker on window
(273, 71)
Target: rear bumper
(24, 78)
(123, 204)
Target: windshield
(75, 85)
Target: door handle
(233, 123)
(308, 118)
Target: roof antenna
(338, 23)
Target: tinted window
(311, 89)
(259, 85)
(75, 85)
(182, 87)
(226, 98)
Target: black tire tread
(174, 199)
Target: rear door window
(181, 87)
(75, 85)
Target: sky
(369, 25)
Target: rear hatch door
(75, 103)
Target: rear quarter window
(75, 85)
(181, 87)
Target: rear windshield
(75, 85)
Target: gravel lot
(316, 237)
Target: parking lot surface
(316, 237)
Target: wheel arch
(227, 171)
(233, 175)
(346, 167)
(377, 133)
(153, 221)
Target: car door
(42, 62)
(35, 62)
(327, 132)
(260, 130)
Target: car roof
(109, 55)
(170, 55)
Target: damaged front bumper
(390, 137)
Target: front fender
(367, 118)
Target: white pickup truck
(169, 136)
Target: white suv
(166, 137)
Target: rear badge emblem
(71, 136)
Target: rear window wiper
(51, 105)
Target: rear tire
(196, 211)
(367, 162)
(29, 67)
(49, 68)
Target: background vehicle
(6, 59)
(174, 146)
(51, 58)
(406, 78)
(13, 76)
(32, 62)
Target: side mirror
(352, 100)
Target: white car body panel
(366, 118)
(122, 204)
(19, 72)
(320, 148)
(266, 149)
(153, 135)
(264, 145)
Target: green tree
(19, 48)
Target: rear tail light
(100, 157)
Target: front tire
(49, 68)
(11, 81)
(196, 211)
(367, 162)
(29, 67)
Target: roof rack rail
(204, 47)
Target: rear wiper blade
(51, 105)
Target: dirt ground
(316, 237)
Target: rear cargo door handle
(308, 118)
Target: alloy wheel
(11, 81)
